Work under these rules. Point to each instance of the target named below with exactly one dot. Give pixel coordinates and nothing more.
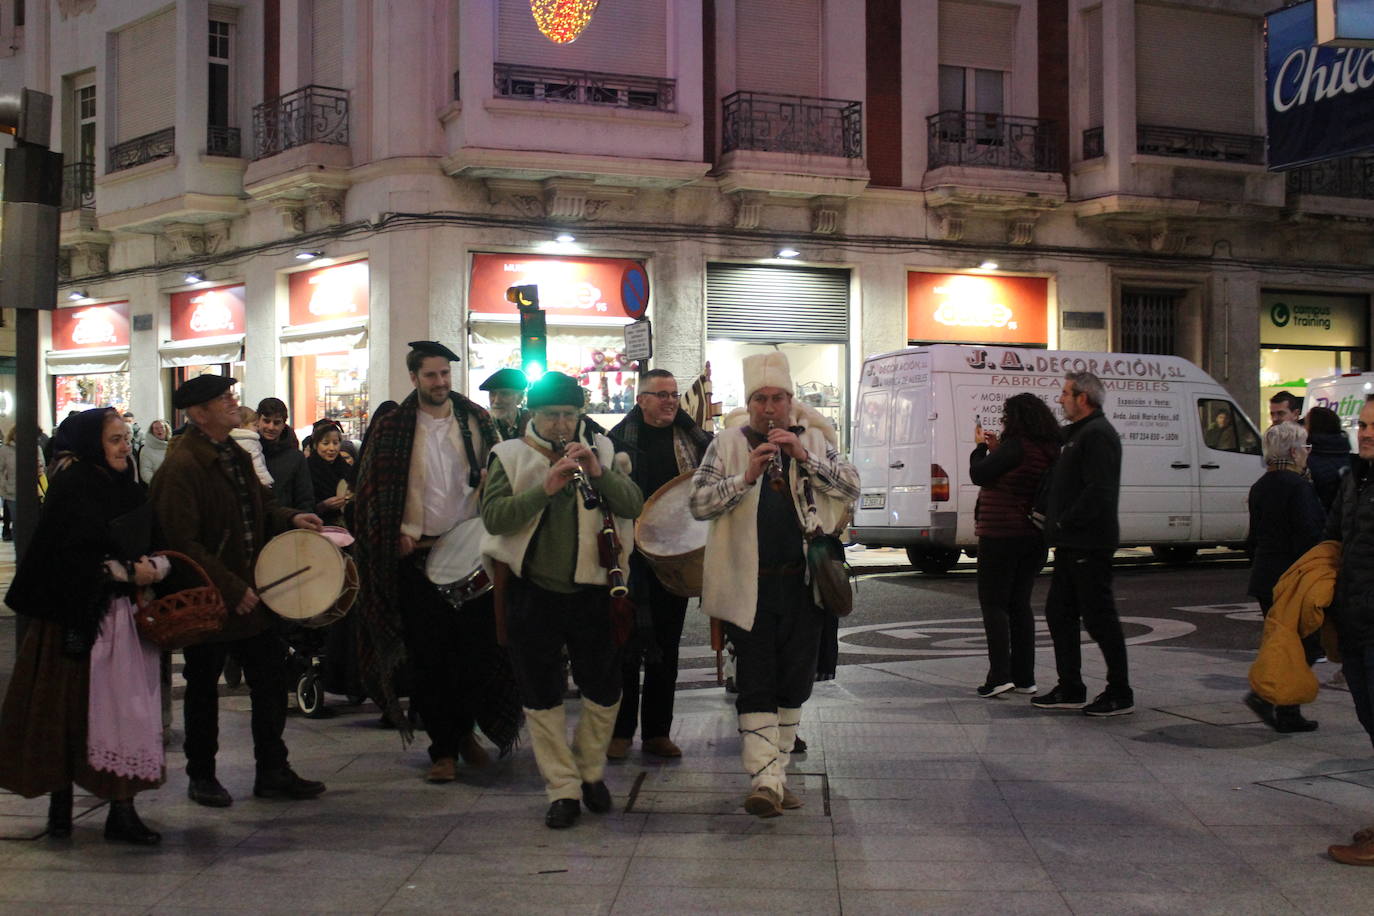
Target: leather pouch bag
(830, 573)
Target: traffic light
(534, 355)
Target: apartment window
(972, 90)
(1149, 320)
(84, 127)
(220, 104)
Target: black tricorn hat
(200, 389)
(512, 379)
(434, 348)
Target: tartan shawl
(383, 471)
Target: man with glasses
(540, 528)
(213, 509)
(663, 442)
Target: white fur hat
(766, 370)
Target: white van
(1345, 394)
(1185, 474)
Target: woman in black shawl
(82, 706)
(328, 468)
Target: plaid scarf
(383, 472)
(225, 453)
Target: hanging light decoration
(562, 21)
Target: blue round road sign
(634, 291)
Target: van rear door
(908, 493)
(872, 450)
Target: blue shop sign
(1319, 101)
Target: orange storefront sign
(567, 286)
(89, 327)
(972, 308)
(328, 294)
(208, 312)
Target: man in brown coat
(213, 509)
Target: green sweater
(552, 555)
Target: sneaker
(1029, 688)
(1061, 698)
(1109, 703)
(992, 690)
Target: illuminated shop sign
(1293, 318)
(91, 326)
(208, 312)
(973, 308)
(329, 294)
(593, 287)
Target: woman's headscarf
(85, 438)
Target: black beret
(512, 379)
(200, 389)
(434, 348)
(556, 389)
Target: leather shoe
(618, 749)
(60, 814)
(472, 752)
(562, 814)
(209, 792)
(662, 747)
(763, 802)
(1289, 719)
(445, 769)
(124, 826)
(790, 800)
(596, 797)
(1363, 836)
(1357, 854)
(284, 783)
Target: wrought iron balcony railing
(583, 87)
(1184, 143)
(223, 141)
(990, 140)
(1349, 177)
(78, 186)
(773, 123)
(1093, 145)
(150, 147)
(311, 114)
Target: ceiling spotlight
(308, 255)
(565, 238)
(195, 276)
(988, 265)
(76, 295)
(788, 253)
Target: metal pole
(26, 501)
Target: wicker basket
(186, 617)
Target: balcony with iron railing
(1187, 143)
(990, 140)
(772, 123)
(78, 186)
(582, 87)
(1352, 177)
(160, 144)
(223, 141)
(311, 114)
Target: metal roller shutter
(1092, 43)
(326, 43)
(977, 35)
(628, 37)
(146, 54)
(1195, 70)
(748, 302)
(778, 46)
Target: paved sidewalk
(920, 797)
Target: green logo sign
(1279, 314)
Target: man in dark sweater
(291, 485)
(666, 443)
(1081, 525)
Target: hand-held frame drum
(671, 540)
(305, 578)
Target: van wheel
(1174, 556)
(933, 561)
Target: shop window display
(1291, 369)
(82, 392)
(818, 372)
(330, 386)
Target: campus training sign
(1319, 101)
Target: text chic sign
(973, 308)
(1319, 100)
(90, 327)
(590, 287)
(328, 294)
(215, 312)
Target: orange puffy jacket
(1280, 673)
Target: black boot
(60, 814)
(1289, 719)
(123, 826)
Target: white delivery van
(1345, 394)
(1185, 475)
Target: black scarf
(325, 475)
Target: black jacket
(1329, 456)
(1351, 521)
(1285, 522)
(1007, 479)
(1085, 487)
(292, 485)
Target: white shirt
(448, 499)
